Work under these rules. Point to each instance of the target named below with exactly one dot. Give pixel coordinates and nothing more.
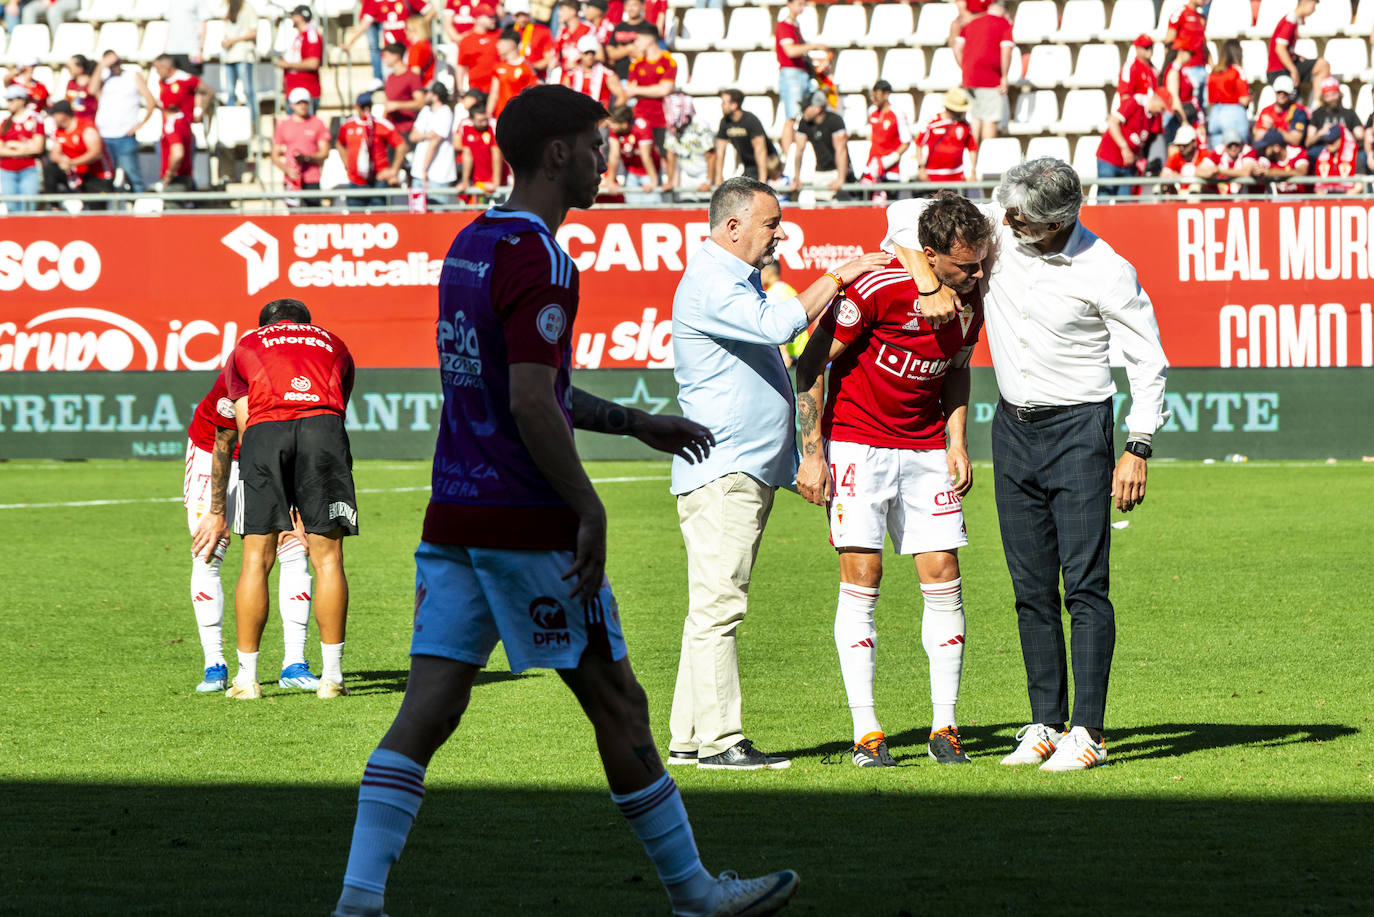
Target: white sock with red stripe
(942, 634)
(392, 789)
(659, 820)
(856, 639)
(293, 600)
(207, 599)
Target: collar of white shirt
(1077, 241)
(731, 262)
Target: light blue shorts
(468, 599)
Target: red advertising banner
(1241, 284)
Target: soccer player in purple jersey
(514, 542)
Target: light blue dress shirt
(729, 372)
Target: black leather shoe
(681, 757)
(743, 756)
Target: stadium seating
(1049, 66)
(1036, 21)
(856, 69)
(1363, 25)
(1348, 57)
(149, 10)
(944, 72)
(750, 28)
(844, 26)
(1036, 113)
(712, 71)
(758, 72)
(1129, 19)
(107, 11)
(1054, 147)
(760, 106)
(232, 126)
(904, 68)
(1097, 65)
(702, 29)
(890, 26)
(997, 155)
(1084, 111)
(28, 41)
(1083, 21)
(120, 37)
(1329, 19)
(933, 24)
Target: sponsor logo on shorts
(551, 322)
(551, 620)
(301, 384)
(846, 313)
(343, 511)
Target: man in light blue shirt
(731, 379)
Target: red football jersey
(885, 388)
(24, 126)
(566, 43)
(307, 44)
(1286, 34)
(946, 141)
(38, 92)
(477, 52)
(1341, 164)
(179, 94)
(594, 82)
(83, 103)
(1292, 156)
(462, 15)
(480, 144)
(214, 413)
(289, 371)
(629, 148)
(176, 128)
(647, 73)
(1137, 126)
(1190, 34)
(1137, 78)
(366, 145)
(72, 141)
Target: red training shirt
(289, 371)
(420, 56)
(888, 130)
(214, 413)
(179, 94)
(1190, 34)
(629, 141)
(510, 79)
(1137, 125)
(477, 52)
(72, 142)
(1286, 34)
(480, 144)
(789, 31)
(1137, 78)
(946, 141)
(984, 37)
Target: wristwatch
(1140, 449)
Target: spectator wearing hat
(420, 50)
(571, 28)
(829, 139)
(77, 162)
(511, 75)
(300, 145)
(21, 146)
(1284, 60)
(1228, 92)
(22, 74)
(126, 104)
(592, 78)
(1186, 161)
(794, 72)
(652, 78)
(1336, 155)
(536, 42)
(744, 131)
(477, 54)
(889, 137)
(1286, 114)
(1330, 111)
(944, 141)
(300, 65)
(1138, 78)
(239, 54)
(404, 93)
(1279, 160)
(983, 50)
(363, 143)
(434, 166)
(1129, 130)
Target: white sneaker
(736, 897)
(1076, 752)
(1037, 744)
(249, 691)
(329, 688)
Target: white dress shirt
(730, 373)
(1051, 318)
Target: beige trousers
(722, 524)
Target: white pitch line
(365, 490)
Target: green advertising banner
(1259, 413)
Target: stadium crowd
(1206, 111)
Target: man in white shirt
(434, 166)
(1057, 299)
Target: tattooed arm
(212, 527)
(813, 477)
(664, 432)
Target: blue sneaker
(216, 679)
(298, 675)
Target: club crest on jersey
(846, 313)
(965, 317)
(300, 384)
(551, 322)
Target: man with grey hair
(1059, 304)
(731, 379)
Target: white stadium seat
(1083, 21)
(154, 41)
(72, 38)
(1036, 21)
(932, 105)
(1129, 19)
(890, 26)
(1306, 47)
(150, 10)
(844, 25)
(264, 43)
(712, 71)
(904, 68)
(760, 106)
(1270, 12)
(329, 9)
(1228, 19)
(854, 108)
(1348, 57)
(856, 69)
(932, 26)
(1036, 113)
(1364, 103)
(1053, 147)
(944, 72)
(1097, 65)
(903, 103)
(858, 155)
(1364, 20)
(702, 30)
(286, 37)
(107, 11)
(233, 126)
(28, 41)
(997, 155)
(708, 111)
(1254, 59)
(4, 40)
(333, 174)
(119, 37)
(1050, 66)
(751, 27)
(215, 30)
(1266, 98)
(758, 73)
(1085, 157)
(151, 131)
(1084, 112)
(1330, 18)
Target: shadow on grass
(1130, 743)
(394, 680)
(141, 849)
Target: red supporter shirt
(72, 142)
(984, 37)
(214, 413)
(945, 142)
(629, 148)
(401, 87)
(1137, 78)
(1191, 34)
(392, 15)
(26, 126)
(1176, 164)
(510, 80)
(566, 43)
(1185, 85)
(462, 15)
(1227, 88)
(366, 144)
(83, 103)
(302, 137)
(1137, 125)
(1287, 119)
(594, 82)
(307, 44)
(1286, 34)
(885, 388)
(176, 128)
(289, 371)
(477, 52)
(535, 44)
(788, 31)
(179, 94)
(888, 130)
(420, 56)
(1292, 157)
(38, 93)
(1341, 164)
(645, 73)
(480, 144)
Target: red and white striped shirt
(593, 82)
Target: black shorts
(305, 463)
(1304, 66)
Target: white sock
(942, 634)
(207, 599)
(248, 668)
(293, 600)
(856, 639)
(333, 661)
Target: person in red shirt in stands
(631, 143)
(945, 139)
(300, 65)
(21, 74)
(1138, 77)
(1234, 159)
(21, 146)
(1129, 130)
(477, 55)
(794, 72)
(571, 28)
(1285, 61)
(1279, 160)
(653, 76)
(536, 42)
(405, 94)
(592, 78)
(1285, 115)
(458, 19)
(78, 91)
(420, 54)
(290, 382)
(1186, 39)
(362, 143)
(300, 145)
(481, 157)
(511, 74)
(983, 50)
(1228, 93)
(889, 137)
(178, 96)
(78, 163)
(384, 21)
(1179, 94)
(602, 25)
(1338, 159)
(1188, 160)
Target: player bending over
(514, 542)
(211, 493)
(877, 456)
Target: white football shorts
(195, 493)
(468, 599)
(905, 492)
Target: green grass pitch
(1240, 779)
